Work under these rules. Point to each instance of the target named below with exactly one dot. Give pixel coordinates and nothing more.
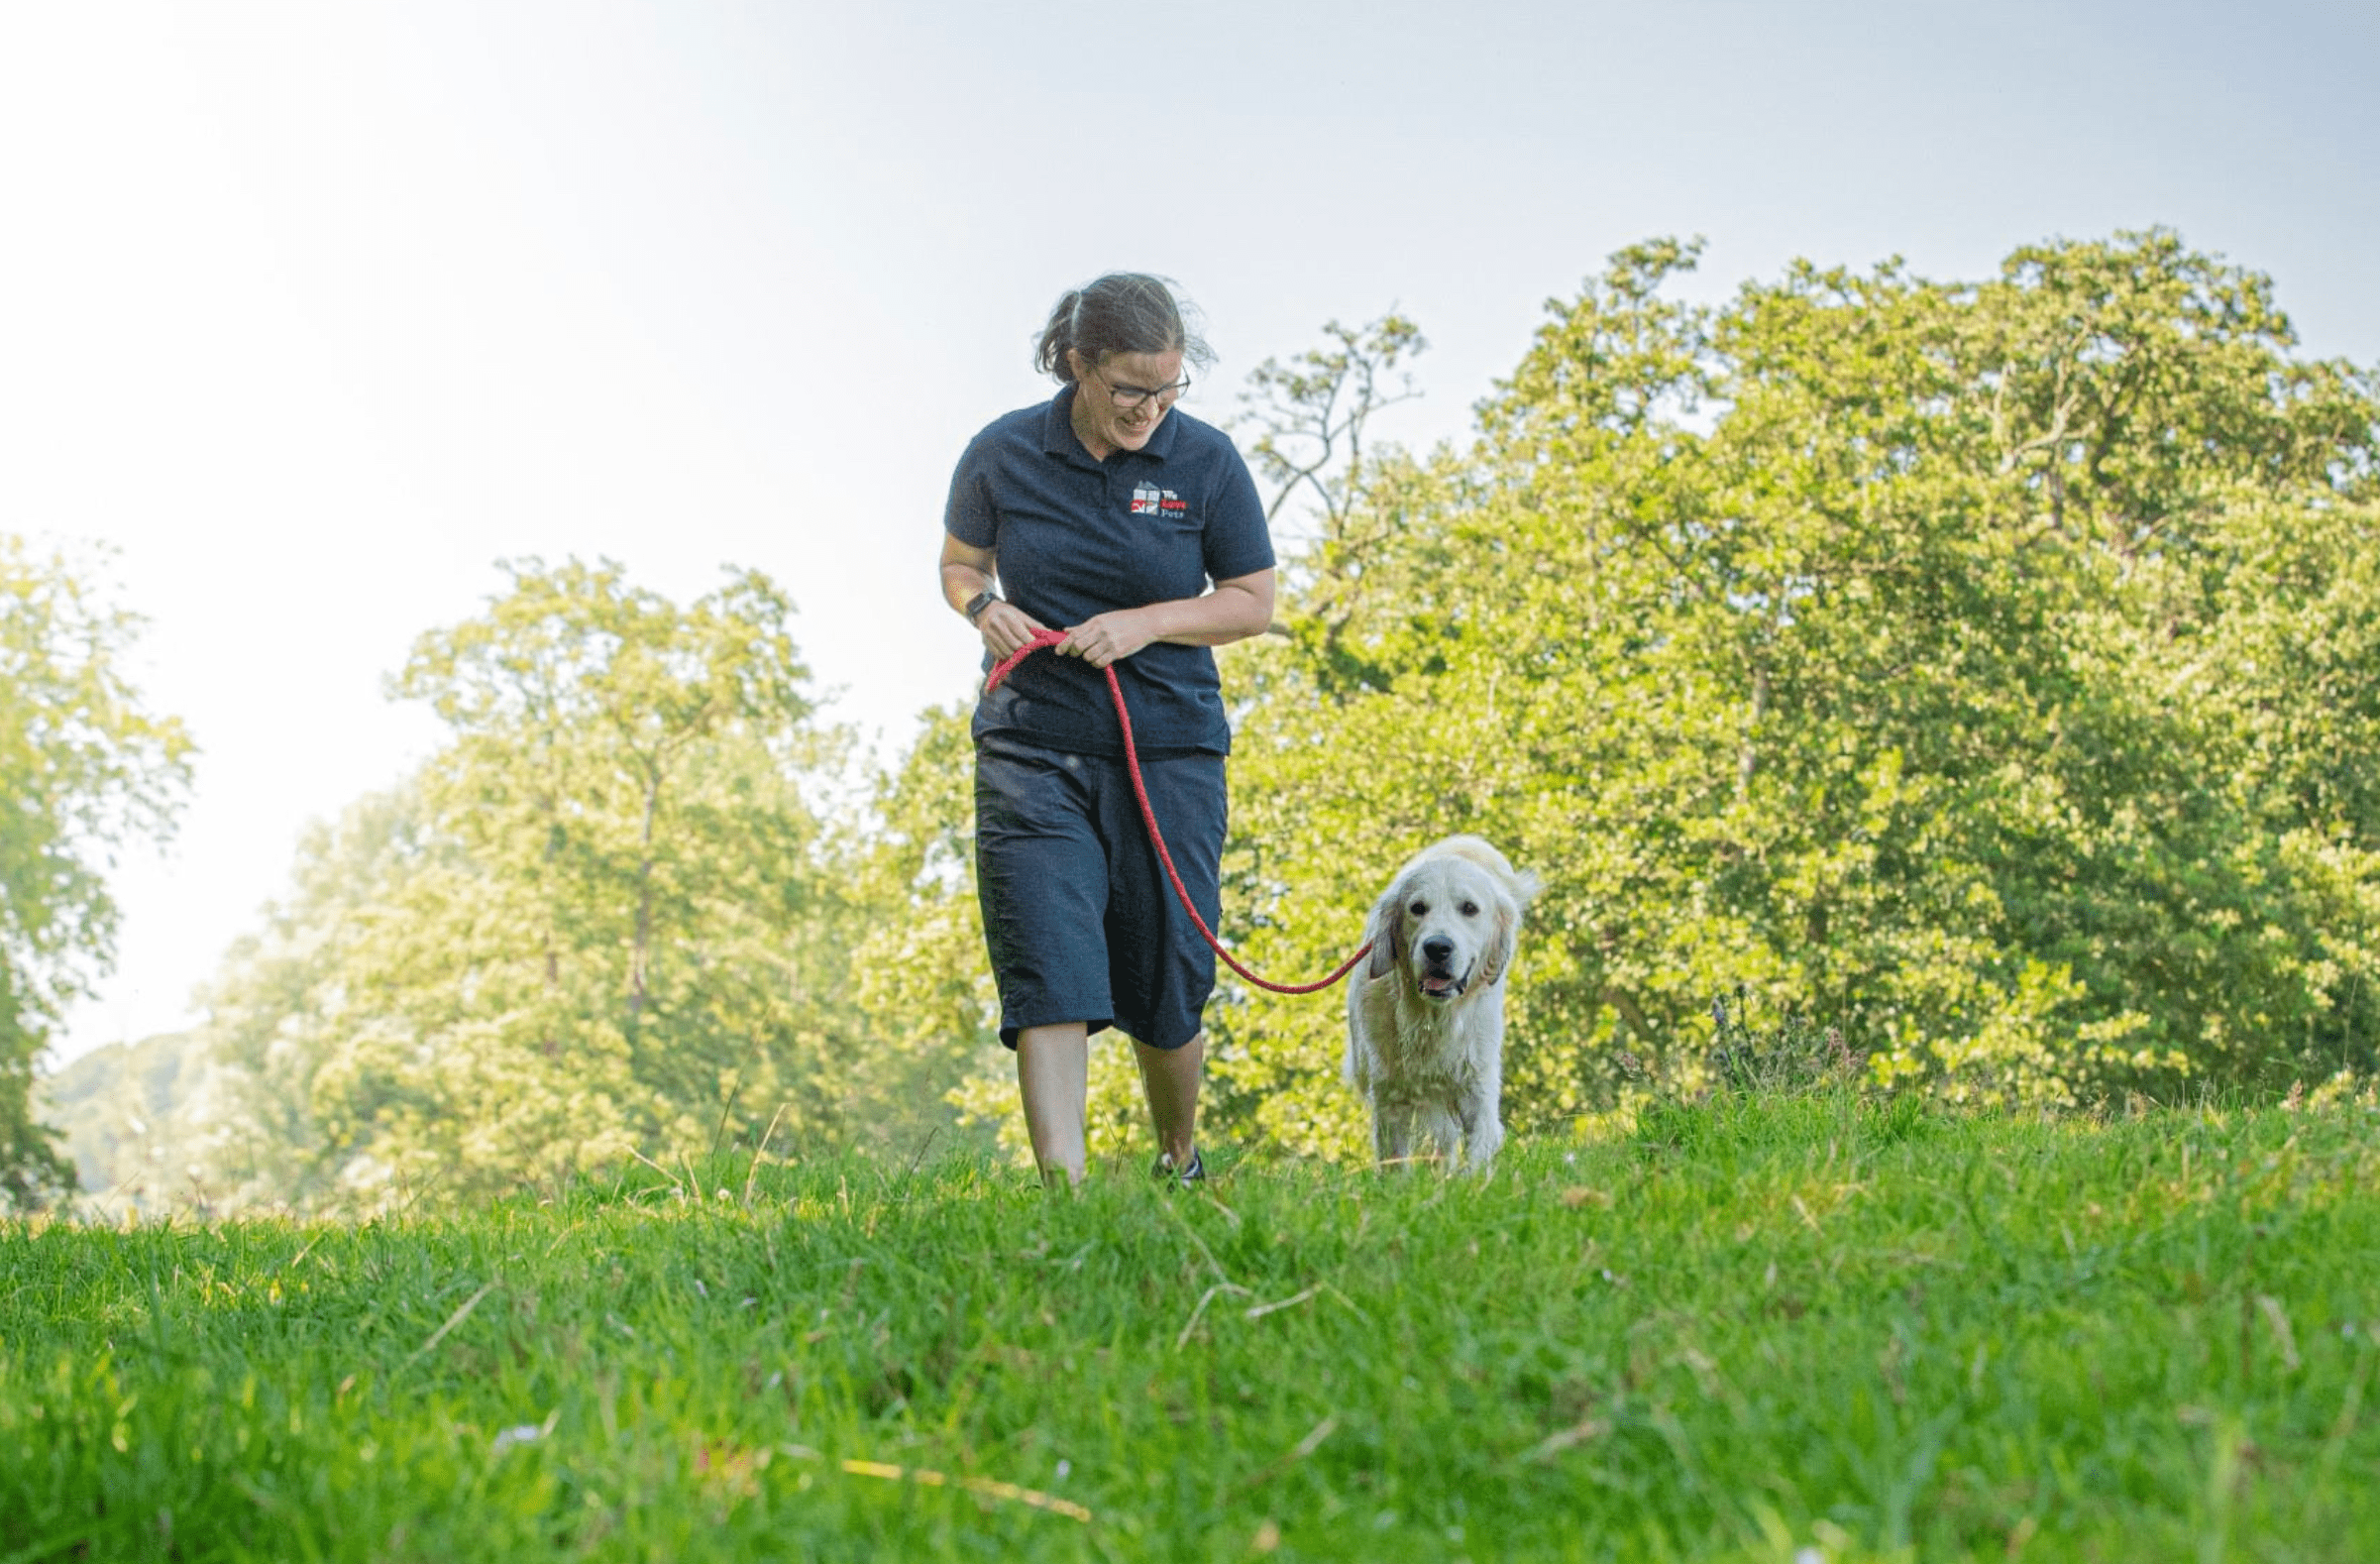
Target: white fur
(1433, 1065)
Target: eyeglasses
(1135, 395)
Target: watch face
(977, 604)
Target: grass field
(1754, 1329)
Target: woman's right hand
(1006, 629)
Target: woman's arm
(1236, 610)
(968, 570)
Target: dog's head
(1449, 920)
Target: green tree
(84, 773)
(1980, 666)
(603, 919)
(931, 1039)
(1309, 418)
(289, 994)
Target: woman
(1136, 529)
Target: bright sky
(314, 310)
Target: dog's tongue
(1437, 985)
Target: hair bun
(1121, 312)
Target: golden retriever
(1425, 1016)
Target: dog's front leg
(1482, 1123)
(1442, 1127)
(1392, 1133)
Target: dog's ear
(1386, 934)
(1501, 942)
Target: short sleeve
(1238, 542)
(969, 517)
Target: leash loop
(1148, 818)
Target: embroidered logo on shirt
(1150, 501)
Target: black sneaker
(1195, 1172)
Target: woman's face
(1149, 383)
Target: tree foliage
(602, 921)
(84, 771)
(923, 983)
(1310, 417)
(1988, 669)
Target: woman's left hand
(1107, 637)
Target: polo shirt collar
(1059, 439)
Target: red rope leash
(1149, 817)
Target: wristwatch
(980, 601)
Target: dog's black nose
(1439, 950)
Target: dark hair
(1122, 312)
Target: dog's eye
(1470, 909)
(1420, 909)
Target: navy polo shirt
(1078, 537)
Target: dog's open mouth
(1441, 985)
